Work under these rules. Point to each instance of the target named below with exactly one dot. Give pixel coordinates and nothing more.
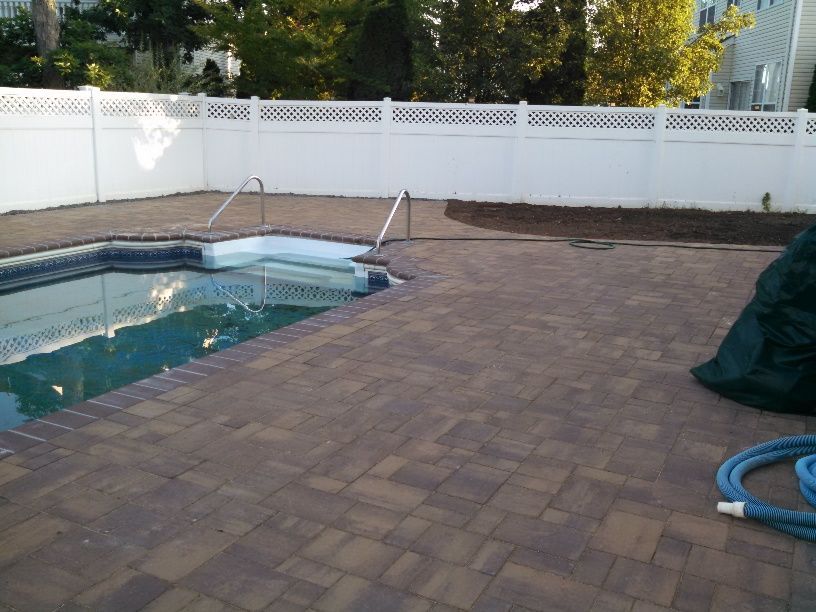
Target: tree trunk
(46, 31)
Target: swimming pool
(67, 337)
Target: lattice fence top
(758, 124)
(183, 298)
(27, 343)
(44, 106)
(454, 116)
(228, 110)
(296, 294)
(305, 113)
(141, 107)
(591, 119)
(811, 126)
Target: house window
(763, 4)
(706, 13)
(694, 104)
(767, 81)
(739, 98)
(733, 3)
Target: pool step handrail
(404, 193)
(232, 197)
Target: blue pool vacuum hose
(744, 505)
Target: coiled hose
(744, 505)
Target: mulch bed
(653, 224)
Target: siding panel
(805, 57)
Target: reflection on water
(72, 340)
(47, 382)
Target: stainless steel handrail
(230, 294)
(232, 197)
(407, 195)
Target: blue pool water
(76, 338)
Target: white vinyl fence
(60, 147)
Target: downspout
(794, 42)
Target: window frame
(706, 14)
(763, 5)
(770, 91)
(748, 94)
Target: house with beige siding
(767, 68)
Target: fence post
(518, 189)
(93, 93)
(385, 152)
(255, 136)
(792, 184)
(656, 187)
(203, 98)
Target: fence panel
(149, 145)
(46, 149)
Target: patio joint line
(180, 369)
(93, 401)
(55, 424)
(209, 365)
(183, 382)
(221, 357)
(79, 413)
(128, 395)
(20, 433)
(142, 384)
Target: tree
(210, 81)
(287, 48)
(811, 101)
(164, 28)
(381, 65)
(46, 32)
(647, 52)
(85, 57)
(82, 57)
(562, 79)
(20, 66)
(491, 50)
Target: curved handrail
(232, 197)
(247, 307)
(407, 195)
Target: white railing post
(255, 135)
(518, 188)
(795, 167)
(96, 114)
(385, 148)
(203, 110)
(656, 186)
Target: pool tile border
(201, 236)
(407, 269)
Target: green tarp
(768, 358)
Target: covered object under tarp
(768, 358)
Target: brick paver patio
(522, 433)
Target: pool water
(74, 339)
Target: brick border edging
(185, 234)
(40, 431)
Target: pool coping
(394, 261)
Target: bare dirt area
(652, 224)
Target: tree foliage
(82, 56)
(287, 48)
(647, 52)
(561, 80)
(19, 62)
(487, 50)
(165, 28)
(381, 65)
